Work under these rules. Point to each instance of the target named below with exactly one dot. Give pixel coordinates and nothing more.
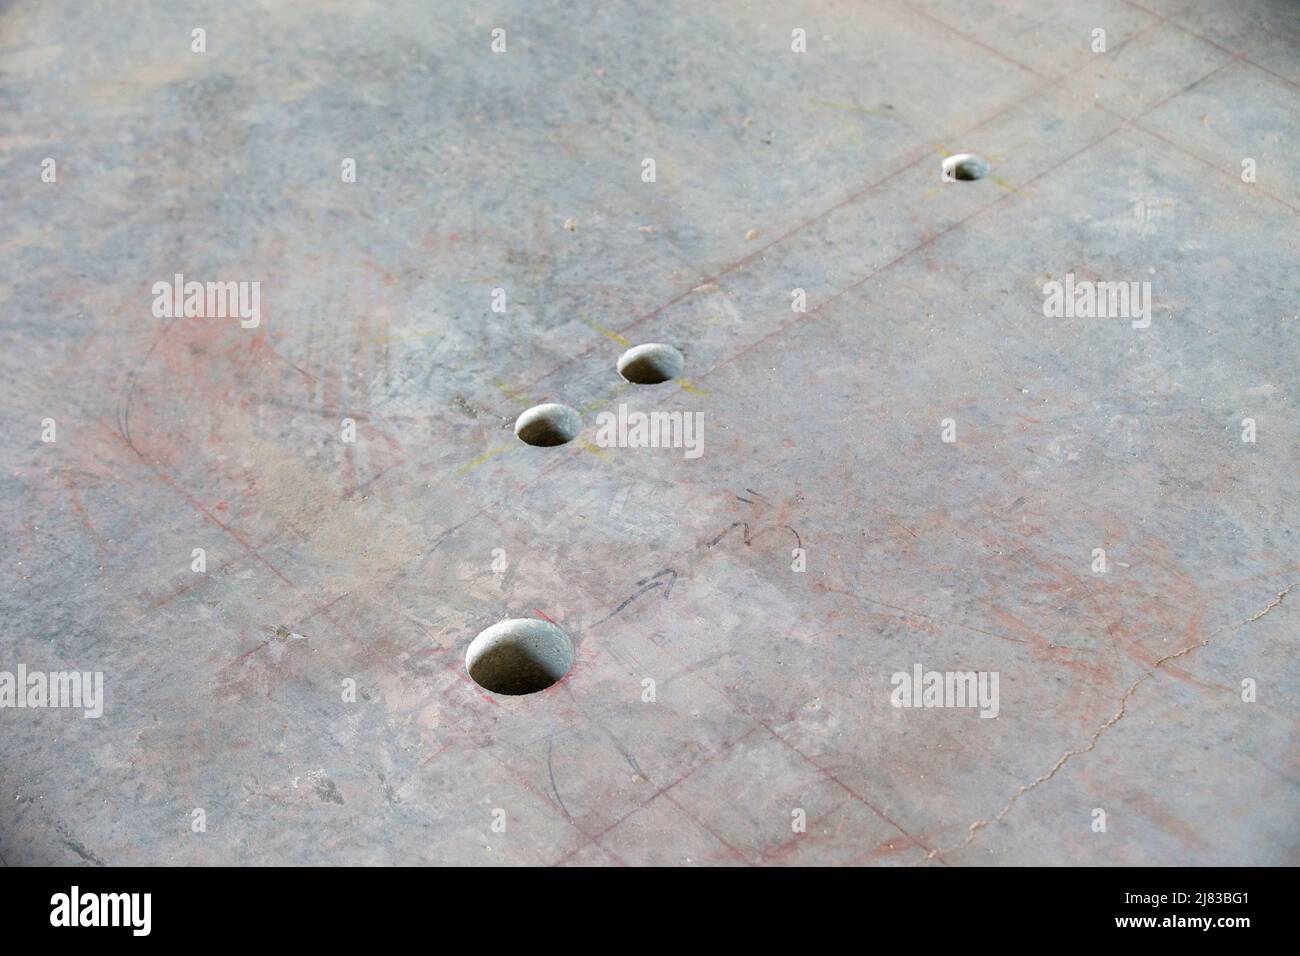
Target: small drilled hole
(519, 656)
(651, 364)
(965, 167)
(549, 424)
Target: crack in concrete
(973, 830)
(1281, 596)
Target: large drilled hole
(519, 656)
(651, 363)
(549, 424)
(965, 167)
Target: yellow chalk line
(466, 468)
(608, 333)
(597, 451)
(850, 108)
(605, 399)
(404, 337)
(509, 391)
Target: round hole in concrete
(965, 167)
(549, 424)
(519, 656)
(651, 363)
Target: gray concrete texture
(718, 693)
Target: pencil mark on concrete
(658, 574)
(124, 412)
(729, 529)
(649, 587)
(550, 770)
(645, 585)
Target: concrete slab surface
(273, 533)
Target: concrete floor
(372, 561)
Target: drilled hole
(519, 656)
(549, 424)
(651, 363)
(965, 167)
